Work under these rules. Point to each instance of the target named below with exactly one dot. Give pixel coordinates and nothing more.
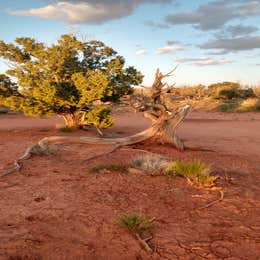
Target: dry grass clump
(250, 104)
(49, 150)
(150, 163)
(195, 171)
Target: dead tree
(163, 128)
(164, 121)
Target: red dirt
(55, 209)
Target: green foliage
(98, 117)
(7, 88)
(109, 167)
(224, 90)
(229, 106)
(195, 171)
(136, 224)
(65, 78)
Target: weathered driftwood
(164, 125)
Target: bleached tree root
(221, 197)
(17, 163)
(144, 243)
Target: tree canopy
(66, 78)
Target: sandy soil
(55, 209)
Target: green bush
(195, 171)
(228, 106)
(136, 224)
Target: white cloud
(86, 11)
(168, 49)
(203, 61)
(141, 52)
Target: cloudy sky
(212, 41)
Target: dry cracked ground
(55, 208)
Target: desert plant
(66, 78)
(249, 105)
(49, 150)
(119, 167)
(229, 106)
(150, 163)
(195, 171)
(136, 224)
(224, 90)
(257, 91)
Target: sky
(210, 41)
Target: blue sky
(212, 41)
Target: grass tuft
(195, 171)
(136, 224)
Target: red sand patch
(55, 209)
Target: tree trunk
(73, 120)
(162, 130)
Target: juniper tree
(66, 78)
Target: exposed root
(144, 243)
(27, 154)
(221, 197)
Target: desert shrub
(150, 163)
(193, 92)
(246, 93)
(249, 105)
(257, 91)
(224, 90)
(227, 93)
(136, 224)
(230, 106)
(49, 150)
(109, 167)
(195, 171)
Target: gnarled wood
(164, 126)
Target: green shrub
(224, 90)
(228, 106)
(136, 224)
(195, 171)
